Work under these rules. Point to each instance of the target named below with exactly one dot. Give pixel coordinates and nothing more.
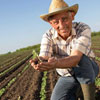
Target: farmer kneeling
(67, 47)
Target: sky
(21, 26)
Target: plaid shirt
(53, 45)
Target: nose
(61, 24)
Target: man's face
(62, 23)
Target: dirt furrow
(25, 87)
(11, 76)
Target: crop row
(13, 60)
(10, 70)
(14, 74)
(17, 64)
(6, 58)
(12, 81)
(43, 86)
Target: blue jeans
(87, 70)
(65, 89)
(85, 73)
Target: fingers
(33, 64)
(43, 66)
(36, 66)
(31, 61)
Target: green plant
(2, 91)
(98, 58)
(12, 81)
(35, 54)
(97, 82)
(43, 85)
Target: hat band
(58, 9)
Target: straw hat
(58, 6)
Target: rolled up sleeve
(83, 42)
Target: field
(19, 81)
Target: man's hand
(44, 66)
(34, 62)
(52, 63)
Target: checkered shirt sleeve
(83, 39)
(46, 45)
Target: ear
(73, 14)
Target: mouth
(63, 31)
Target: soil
(28, 85)
(12, 62)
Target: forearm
(68, 62)
(52, 62)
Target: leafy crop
(35, 54)
(97, 82)
(12, 81)
(98, 58)
(43, 85)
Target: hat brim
(73, 8)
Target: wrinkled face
(62, 23)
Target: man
(66, 46)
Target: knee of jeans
(86, 80)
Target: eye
(55, 22)
(65, 19)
